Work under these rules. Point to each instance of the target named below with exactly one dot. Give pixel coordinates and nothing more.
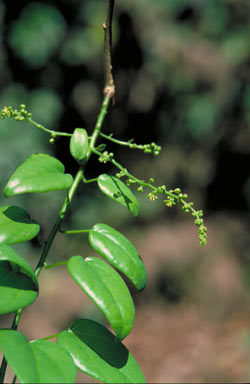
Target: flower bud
(79, 144)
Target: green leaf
(18, 283)
(119, 251)
(96, 352)
(118, 191)
(107, 290)
(53, 363)
(38, 173)
(19, 356)
(36, 362)
(16, 225)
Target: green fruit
(79, 144)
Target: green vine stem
(147, 148)
(98, 126)
(86, 181)
(76, 231)
(78, 178)
(46, 266)
(49, 337)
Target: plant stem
(98, 125)
(75, 231)
(120, 142)
(104, 108)
(59, 220)
(47, 246)
(3, 370)
(46, 266)
(86, 181)
(109, 88)
(48, 337)
(73, 188)
(50, 131)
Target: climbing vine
(85, 345)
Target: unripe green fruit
(79, 144)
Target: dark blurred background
(182, 73)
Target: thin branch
(76, 231)
(50, 131)
(109, 88)
(99, 123)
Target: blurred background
(182, 73)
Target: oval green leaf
(38, 173)
(53, 363)
(19, 356)
(107, 290)
(119, 251)
(18, 283)
(16, 225)
(115, 189)
(96, 352)
(37, 362)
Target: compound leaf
(16, 225)
(18, 283)
(97, 353)
(119, 251)
(38, 173)
(107, 290)
(115, 189)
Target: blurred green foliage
(37, 33)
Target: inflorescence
(172, 196)
(18, 115)
(147, 148)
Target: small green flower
(169, 202)
(104, 157)
(152, 196)
(161, 189)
